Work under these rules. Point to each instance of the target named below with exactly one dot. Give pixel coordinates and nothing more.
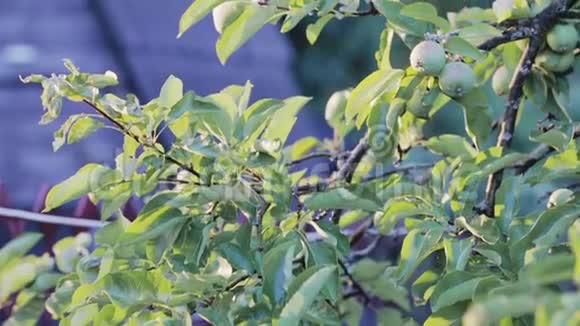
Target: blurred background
(137, 40)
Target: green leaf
(459, 46)
(58, 301)
(506, 9)
(171, 92)
(46, 281)
(157, 217)
(457, 253)
(20, 273)
(553, 137)
(196, 12)
(478, 120)
(535, 88)
(237, 257)
(282, 121)
(108, 235)
(424, 284)
(574, 240)
(278, 271)
(542, 225)
(82, 128)
(482, 227)
(552, 106)
(240, 94)
(502, 9)
(240, 31)
(416, 247)
(478, 33)
(341, 198)
(505, 161)
(51, 99)
(451, 145)
(313, 30)
(255, 119)
(323, 253)
(303, 292)
(447, 316)
(401, 23)
(68, 251)
(367, 269)
(383, 55)
(396, 210)
(381, 139)
(331, 229)
(295, 15)
(135, 288)
(26, 314)
(549, 270)
(352, 311)
(510, 57)
(454, 287)
(326, 6)
(116, 197)
(106, 316)
(373, 86)
(485, 68)
(494, 308)
(426, 12)
(17, 247)
(107, 79)
(390, 316)
(84, 315)
(74, 187)
(301, 147)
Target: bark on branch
(535, 30)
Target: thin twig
(372, 11)
(178, 181)
(49, 219)
(347, 170)
(309, 157)
(327, 184)
(361, 291)
(259, 220)
(228, 288)
(538, 154)
(401, 169)
(130, 134)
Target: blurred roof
(136, 39)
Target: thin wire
(49, 219)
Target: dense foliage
(237, 229)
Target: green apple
(562, 38)
(428, 58)
(500, 82)
(556, 62)
(457, 79)
(336, 106)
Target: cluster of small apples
(558, 56)
(456, 78)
